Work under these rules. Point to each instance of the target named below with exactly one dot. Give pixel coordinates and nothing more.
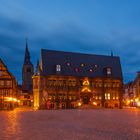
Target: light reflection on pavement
(102, 124)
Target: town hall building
(75, 80)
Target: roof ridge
(79, 53)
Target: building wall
(137, 81)
(27, 73)
(70, 92)
(8, 88)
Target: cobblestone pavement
(102, 124)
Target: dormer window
(68, 63)
(82, 65)
(108, 71)
(58, 68)
(95, 65)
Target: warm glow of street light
(94, 103)
(79, 104)
(128, 101)
(138, 104)
(14, 99)
(9, 99)
(18, 101)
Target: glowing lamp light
(131, 100)
(138, 104)
(9, 98)
(79, 104)
(128, 101)
(18, 101)
(136, 100)
(14, 99)
(94, 103)
(82, 65)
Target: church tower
(27, 71)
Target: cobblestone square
(101, 124)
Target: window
(1, 83)
(95, 65)
(108, 71)
(8, 83)
(58, 68)
(68, 64)
(90, 70)
(82, 65)
(107, 96)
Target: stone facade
(27, 72)
(52, 91)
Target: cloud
(67, 36)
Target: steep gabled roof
(27, 60)
(79, 64)
(4, 68)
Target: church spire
(38, 70)
(27, 54)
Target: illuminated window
(58, 68)
(108, 71)
(107, 96)
(95, 66)
(68, 64)
(90, 70)
(8, 83)
(82, 65)
(96, 97)
(117, 97)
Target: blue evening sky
(87, 26)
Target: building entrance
(86, 99)
(85, 91)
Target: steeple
(38, 70)
(27, 55)
(27, 71)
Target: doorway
(86, 99)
